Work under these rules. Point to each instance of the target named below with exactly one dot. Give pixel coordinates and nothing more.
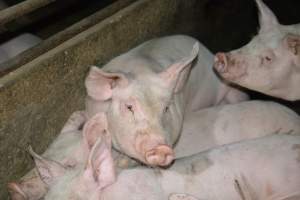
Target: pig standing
(146, 91)
(265, 168)
(269, 63)
(219, 125)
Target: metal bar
(20, 9)
(62, 36)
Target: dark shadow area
(55, 17)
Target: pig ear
(16, 192)
(176, 74)
(100, 84)
(292, 43)
(48, 170)
(267, 19)
(95, 128)
(100, 162)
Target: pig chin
(153, 151)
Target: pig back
(265, 167)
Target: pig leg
(31, 186)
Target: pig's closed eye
(166, 109)
(129, 107)
(266, 59)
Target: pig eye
(166, 109)
(129, 107)
(268, 58)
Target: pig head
(269, 63)
(143, 114)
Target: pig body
(17, 45)
(147, 90)
(219, 125)
(269, 63)
(264, 168)
(70, 148)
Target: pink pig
(211, 127)
(146, 91)
(265, 168)
(70, 149)
(269, 63)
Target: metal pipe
(20, 9)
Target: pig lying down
(202, 130)
(265, 168)
(146, 91)
(219, 125)
(70, 148)
(269, 63)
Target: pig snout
(153, 150)
(161, 155)
(220, 63)
(230, 67)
